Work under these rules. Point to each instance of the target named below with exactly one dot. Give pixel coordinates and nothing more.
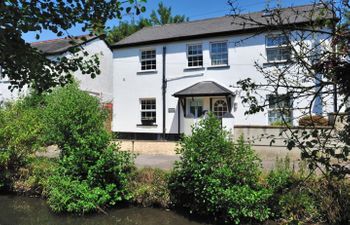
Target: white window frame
(214, 100)
(280, 109)
(148, 110)
(211, 53)
(279, 48)
(148, 59)
(195, 55)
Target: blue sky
(194, 9)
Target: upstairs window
(280, 109)
(219, 53)
(277, 48)
(148, 111)
(148, 60)
(195, 55)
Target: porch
(199, 99)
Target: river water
(17, 210)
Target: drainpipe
(164, 86)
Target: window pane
(219, 54)
(148, 60)
(277, 40)
(280, 108)
(148, 110)
(194, 55)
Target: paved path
(167, 161)
(156, 161)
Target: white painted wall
(6, 94)
(101, 86)
(131, 85)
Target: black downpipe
(164, 86)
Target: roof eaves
(225, 91)
(66, 49)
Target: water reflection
(15, 210)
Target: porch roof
(204, 88)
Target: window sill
(277, 63)
(194, 68)
(146, 126)
(147, 71)
(218, 67)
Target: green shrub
(333, 199)
(33, 180)
(98, 170)
(73, 118)
(69, 195)
(293, 198)
(150, 188)
(20, 131)
(298, 206)
(281, 176)
(216, 177)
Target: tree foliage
(161, 16)
(317, 73)
(24, 65)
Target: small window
(277, 49)
(220, 108)
(194, 55)
(148, 60)
(148, 111)
(219, 53)
(280, 108)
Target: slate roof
(58, 46)
(204, 88)
(218, 26)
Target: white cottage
(101, 86)
(167, 77)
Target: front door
(196, 107)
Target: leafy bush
(217, 177)
(33, 179)
(150, 188)
(333, 199)
(93, 173)
(315, 120)
(293, 198)
(69, 195)
(20, 131)
(281, 176)
(298, 205)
